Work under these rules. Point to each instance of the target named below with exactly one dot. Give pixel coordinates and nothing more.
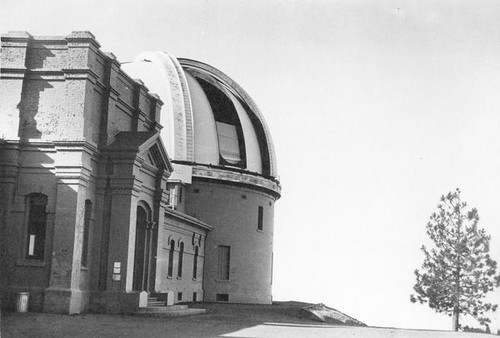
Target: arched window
(171, 258)
(195, 263)
(181, 252)
(36, 227)
(86, 231)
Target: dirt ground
(221, 320)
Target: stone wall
(180, 228)
(62, 100)
(232, 210)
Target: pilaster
(72, 172)
(9, 175)
(121, 196)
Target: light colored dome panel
(150, 74)
(252, 148)
(206, 148)
(163, 75)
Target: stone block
(170, 298)
(143, 299)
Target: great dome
(207, 118)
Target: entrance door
(142, 248)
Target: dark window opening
(179, 296)
(37, 224)
(179, 266)
(171, 259)
(260, 220)
(222, 297)
(195, 263)
(86, 231)
(224, 262)
(194, 297)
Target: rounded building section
(224, 162)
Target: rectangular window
(179, 296)
(260, 220)
(37, 223)
(222, 297)
(194, 296)
(172, 198)
(224, 262)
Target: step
(169, 314)
(157, 303)
(163, 308)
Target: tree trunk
(454, 325)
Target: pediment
(153, 156)
(146, 144)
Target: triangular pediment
(153, 156)
(146, 144)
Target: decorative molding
(237, 177)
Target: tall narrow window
(224, 262)
(195, 263)
(171, 258)
(86, 230)
(179, 266)
(37, 224)
(260, 219)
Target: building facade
(101, 207)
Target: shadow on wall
(29, 105)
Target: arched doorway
(143, 257)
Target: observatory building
(155, 178)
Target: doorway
(143, 262)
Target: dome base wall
(243, 225)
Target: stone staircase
(158, 308)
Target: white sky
(376, 109)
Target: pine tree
(458, 271)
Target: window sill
(84, 268)
(179, 277)
(169, 277)
(32, 263)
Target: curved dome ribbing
(207, 117)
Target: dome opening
(208, 118)
(229, 131)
